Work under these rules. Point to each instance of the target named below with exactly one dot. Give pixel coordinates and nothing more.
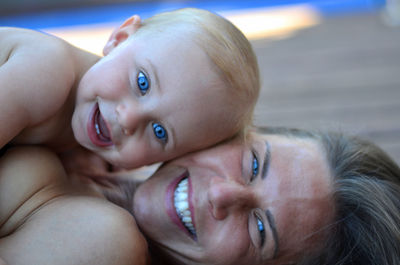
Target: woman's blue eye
(261, 230)
(254, 166)
(143, 83)
(160, 132)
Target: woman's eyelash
(261, 230)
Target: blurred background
(331, 64)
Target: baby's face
(154, 97)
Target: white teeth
(187, 219)
(181, 196)
(182, 205)
(97, 128)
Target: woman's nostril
(227, 196)
(221, 195)
(216, 210)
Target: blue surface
(119, 12)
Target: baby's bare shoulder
(37, 73)
(15, 41)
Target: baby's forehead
(209, 114)
(182, 31)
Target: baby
(171, 84)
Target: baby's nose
(226, 196)
(129, 117)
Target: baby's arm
(36, 75)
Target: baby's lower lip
(97, 129)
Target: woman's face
(238, 203)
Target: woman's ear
(120, 34)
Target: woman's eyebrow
(264, 171)
(272, 225)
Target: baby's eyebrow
(173, 134)
(154, 71)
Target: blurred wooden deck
(341, 74)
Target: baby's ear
(121, 33)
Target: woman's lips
(187, 227)
(97, 128)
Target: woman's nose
(129, 117)
(227, 196)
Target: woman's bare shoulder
(25, 173)
(84, 229)
(72, 223)
(122, 236)
(35, 164)
(93, 231)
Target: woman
(276, 197)
(324, 199)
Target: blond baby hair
(227, 48)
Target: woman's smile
(179, 204)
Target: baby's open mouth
(97, 128)
(181, 203)
(101, 128)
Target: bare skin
(154, 96)
(246, 200)
(38, 78)
(46, 216)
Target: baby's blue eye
(255, 166)
(143, 83)
(261, 230)
(160, 132)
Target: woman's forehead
(299, 190)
